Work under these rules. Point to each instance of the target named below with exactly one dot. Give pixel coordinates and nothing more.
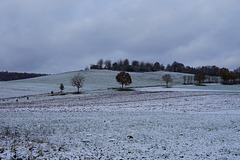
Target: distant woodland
(136, 66)
(7, 76)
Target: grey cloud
(57, 36)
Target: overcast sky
(65, 35)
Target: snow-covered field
(182, 122)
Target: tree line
(7, 76)
(211, 72)
(125, 65)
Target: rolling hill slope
(95, 80)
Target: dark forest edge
(228, 77)
(8, 76)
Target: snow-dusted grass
(182, 122)
(119, 135)
(121, 125)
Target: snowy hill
(97, 81)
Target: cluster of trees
(211, 72)
(136, 66)
(76, 81)
(7, 76)
(125, 65)
(200, 77)
(230, 77)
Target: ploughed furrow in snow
(129, 101)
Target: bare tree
(124, 78)
(135, 65)
(184, 79)
(126, 62)
(167, 78)
(189, 79)
(100, 63)
(108, 64)
(61, 87)
(77, 81)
